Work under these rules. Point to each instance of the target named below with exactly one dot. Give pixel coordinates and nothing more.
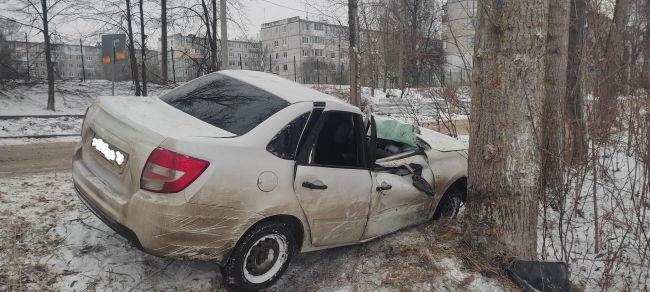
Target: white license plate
(109, 152)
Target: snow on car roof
(289, 90)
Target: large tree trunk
(48, 57)
(355, 96)
(143, 59)
(504, 157)
(163, 20)
(576, 143)
(134, 62)
(552, 124)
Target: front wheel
(260, 257)
(449, 205)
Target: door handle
(312, 186)
(384, 187)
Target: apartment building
(70, 61)
(320, 49)
(459, 23)
(190, 53)
(73, 61)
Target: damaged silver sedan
(246, 169)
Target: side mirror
(372, 144)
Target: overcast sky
(257, 12)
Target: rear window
(225, 102)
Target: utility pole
(353, 22)
(27, 54)
(83, 66)
(295, 75)
(224, 36)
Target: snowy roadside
(71, 97)
(39, 127)
(53, 242)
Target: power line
(303, 11)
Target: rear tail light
(170, 172)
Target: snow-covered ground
(71, 97)
(40, 126)
(50, 241)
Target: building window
(277, 55)
(318, 27)
(284, 42)
(305, 40)
(79, 66)
(238, 55)
(275, 30)
(89, 66)
(284, 67)
(317, 53)
(276, 43)
(305, 26)
(69, 57)
(305, 53)
(230, 45)
(332, 55)
(69, 65)
(231, 54)
(79, 74)
(318, 40)
(78, 57)
(71, 74)
(284, 29)
(277, 68)
(284, 55)
(89, 58)
(239, 46)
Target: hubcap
(262, 256)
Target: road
(18, 160)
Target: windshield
(225, 102)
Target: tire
(449, 205)
(260, 257)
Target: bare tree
(576, 75)
(504, 157)
(163, 39)
(38, 15)
(134, 61)
(143, 49)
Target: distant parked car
(246, 169)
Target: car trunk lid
(122, 131)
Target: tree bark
(552, 124)
(48, 57)
(143, 50)
(134, 61)
(576, 144)
(353, 22)
(163, 20)
(504, 156)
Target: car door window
(285, 143)
(339, 142)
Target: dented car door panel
(403, 204)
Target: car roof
(290, 91)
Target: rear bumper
(117, 227)
(163, 225)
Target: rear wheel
(449, 205)
(260, 257)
